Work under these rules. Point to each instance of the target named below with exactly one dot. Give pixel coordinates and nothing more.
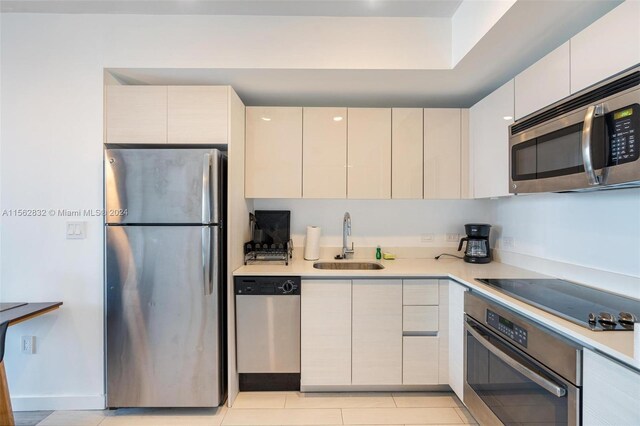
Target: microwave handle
(546, 384)
(587, 130)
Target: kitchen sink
(362, 266)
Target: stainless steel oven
(589, 140)
(517, 372)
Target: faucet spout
(346, 232)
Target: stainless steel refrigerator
(164, 266)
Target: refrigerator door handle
(214, 278)
(206, 260)
(206, 189)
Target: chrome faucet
(346, 232)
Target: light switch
(76, 230)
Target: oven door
(503, 385)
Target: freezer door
(158, 186)
(164, 335)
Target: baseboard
(70, 402)
(375, 388)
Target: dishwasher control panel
(267, 286)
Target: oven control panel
(624, 129)
(507, 328)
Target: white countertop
(615, 344)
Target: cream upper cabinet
(198, 114)
(442, 153)
(543, 83)
(377, 332)
(324, 164)
(489, 122)
(610, 392)
(325, 355)
(609, 45)
(407, 152)
(369, 153)
(456, 335)
(136, 114)
(273, 159)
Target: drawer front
(420, 292)
(420, 319)
(420, 360)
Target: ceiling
(509, 47)
(368, 8)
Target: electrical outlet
(28, 345)
(452, 237)
(426, 238)
(508, 242)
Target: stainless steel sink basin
(361, 266)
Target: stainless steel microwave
(589, 140)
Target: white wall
(472, 20)
(388, 223)
(599, 230)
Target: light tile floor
(287, 408)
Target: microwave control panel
(624, 131)
(507, 328)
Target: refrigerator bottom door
(164, 339)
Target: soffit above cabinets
(346, 75)
(398, 8)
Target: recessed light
(337, 118)
(508, 117)
(266, 119)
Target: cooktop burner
(586, 306)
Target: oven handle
(587, 130)
(548, 385)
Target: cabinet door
(442, 153)
(273, 158)
(543, 83)
(136, 114)
(325, 354)
(420, 292)
(198, 114)
(420, 360)
(610, 392)
(407, 151)
(609, 45)
(377, 332)
(456, 337)
(443, 333)
(489, 122)
(324, 165)
(369, 153)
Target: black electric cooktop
(586, 306)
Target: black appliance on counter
(271, 237)
(477, 239)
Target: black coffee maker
(478, 250)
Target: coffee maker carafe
(478, 250)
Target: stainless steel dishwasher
(268, 332)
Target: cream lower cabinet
(610, 392)
(273, 157)
(377, 332)
(425, 332)
(369, 153)
(455, 370)
(325, 353)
